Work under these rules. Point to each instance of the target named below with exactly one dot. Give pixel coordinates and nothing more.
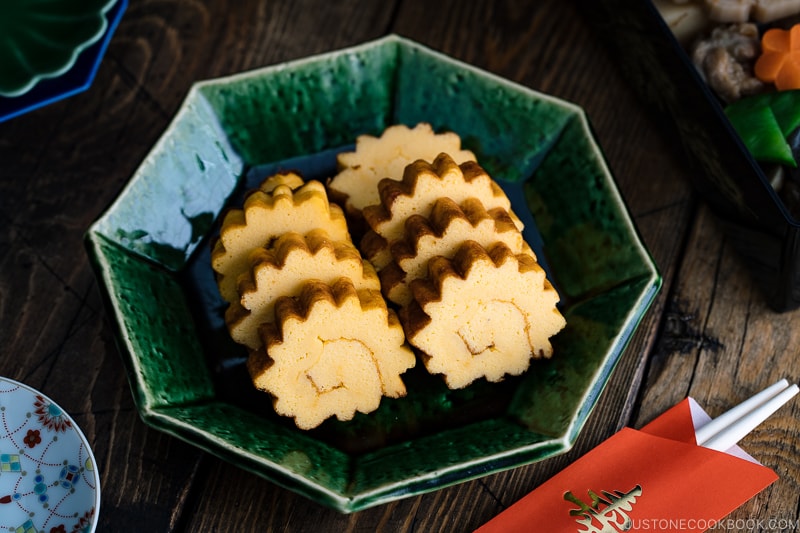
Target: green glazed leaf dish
(151, 251)
(43, 39)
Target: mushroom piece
(725, 60)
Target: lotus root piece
(441, 233)
(771, 10)
(485, 313)
(423, 183)
(729, 10)
(375, 158)
(281, 270)
(762, 11)
(267, 215)
(332, 351)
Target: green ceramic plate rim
(171, 419)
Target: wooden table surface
(709, 333)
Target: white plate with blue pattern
(48, 475)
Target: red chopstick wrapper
(653, 479)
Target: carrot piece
(768, 66)
(794, 37)
(779, 62)
(789, 75)
(775, 40)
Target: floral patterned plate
(48, 479)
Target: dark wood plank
(513, 40)
(724, 345)
(536, 52)
(62, 165)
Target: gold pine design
(608, 513)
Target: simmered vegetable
(778, 63)
(764, 122)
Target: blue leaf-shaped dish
(76, 78)
(43, 39)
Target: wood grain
(729, 345)
(708, 334)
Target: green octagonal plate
(150, 251)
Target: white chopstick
(727, 418)
(723, 432)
